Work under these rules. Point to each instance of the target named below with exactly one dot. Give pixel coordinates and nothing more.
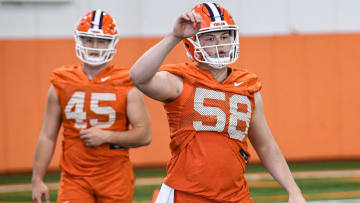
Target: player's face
(218, 43)
(92, 42)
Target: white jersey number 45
(75, 109)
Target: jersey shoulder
(120, 76)
(243, 77)
(66, 74)
(187, 71)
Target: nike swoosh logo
(105, 79)
(236, 84)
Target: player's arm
(139, 135)
(271, 157)
(163, 86)
(46, 145)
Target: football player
(213, 109)
(94, 103)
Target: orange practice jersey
(209, 124)
(85, 103)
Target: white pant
(166, 194)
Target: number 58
(235, 115)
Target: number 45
(235, 115)
(75, 109)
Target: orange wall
(310, 92)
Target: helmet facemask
(104, 55)
(217, 60)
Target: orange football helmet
(96, 24)
(214, 18)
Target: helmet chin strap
(218, 66)
(94, 60)
(218, 63)
(105, 55)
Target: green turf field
(266, 190)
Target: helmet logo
(219, 23)
(95, 31)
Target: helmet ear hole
(197, 55)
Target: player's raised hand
(187, 25)
(93, 136)
(39, 190)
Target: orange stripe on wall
(3, 138)
(309, 90)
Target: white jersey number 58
(235, 115)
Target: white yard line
(248, 176)
(24, 187)
(334, 201)
(308, 174)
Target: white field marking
(248, 176)
(308, 174)
(334, 201)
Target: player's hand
(39, 190)
(187, 25)
(299, 198)
(93, 136)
